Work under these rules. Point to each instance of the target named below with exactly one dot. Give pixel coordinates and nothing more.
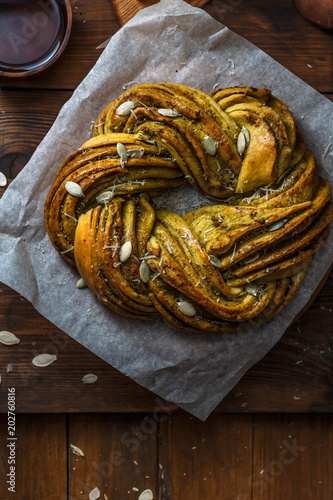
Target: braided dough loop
(222, 268)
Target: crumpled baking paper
(168, 42)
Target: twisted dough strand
(221, 268)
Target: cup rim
(56, 55)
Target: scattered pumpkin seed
(105, 197)
(144, 271)
(76, 450)
(94, 494)
(90, 378)
(122, 152)
(277, 225)
(136, 153)
(3, 180)
(8, 338)
(125, 108)
(246, 134)
(81, 283)
(241, 143)
(125, 251)
(251, 258)
(215, 261)
(187, 309)
(210, 145)
(172, 113)
(74, 189)
(43, 360)
(146, 495)
(252, 288)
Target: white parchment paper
(168, 42)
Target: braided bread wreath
(222, 268)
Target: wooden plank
(126, 9)
(276, 28)
(120, 455)
(294, 376)
(26, 117)
(209, 459)
(59, 388)
(292, 457)
(40, 457)
(279, 30)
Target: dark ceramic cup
(319, 12)
(33, 35)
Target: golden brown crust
(222, 268)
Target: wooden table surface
(270, 438)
